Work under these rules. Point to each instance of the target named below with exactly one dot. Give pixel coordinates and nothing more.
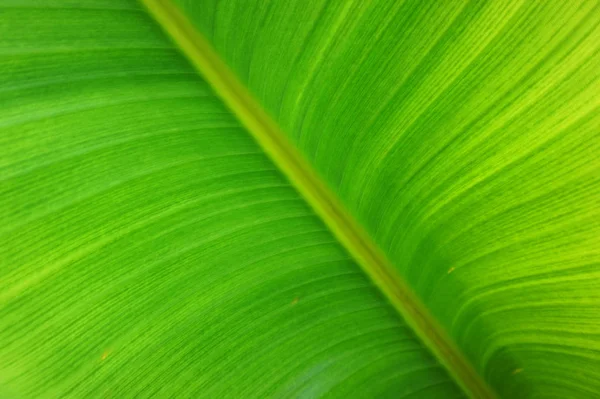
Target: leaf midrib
(302, 176)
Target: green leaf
(415, 214)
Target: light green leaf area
(149, 247)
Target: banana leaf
(299, 199)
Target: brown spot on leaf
(295, 301)
(450, 270)
(517, 371)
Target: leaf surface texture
(149, 247)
